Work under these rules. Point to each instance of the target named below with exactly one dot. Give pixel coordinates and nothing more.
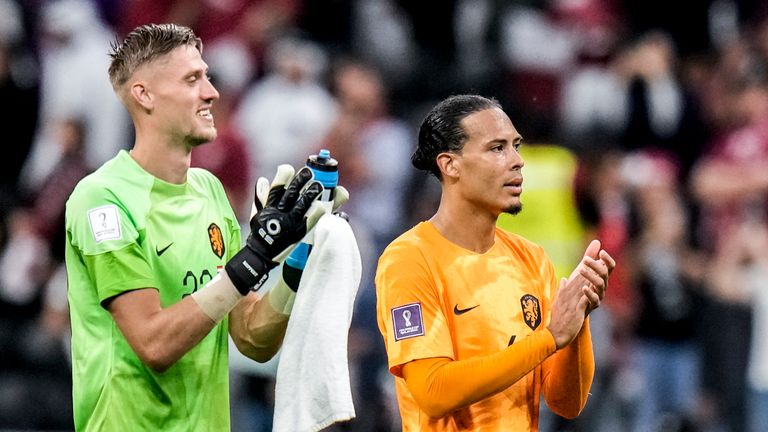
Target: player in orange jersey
(475, 322)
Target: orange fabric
(441, 385)
(567, 375)
(438, 300)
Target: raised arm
(161, 336)
(567, 375)
(441, 385)
(258, 324)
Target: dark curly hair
(441, 130)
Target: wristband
(217, 297)
(248, 270)
(281, 297)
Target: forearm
(159, 337)
(257, 325)
(568, 375)
(442, 385)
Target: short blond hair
(145, 44)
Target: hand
(569, 310)
(593, 272)
(285, 213)
(283, 216)
(316, 211)
(294, 265)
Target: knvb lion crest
(217, 240)
(531, 310)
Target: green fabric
(123, 245)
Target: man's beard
(514, 209)
(197, 140)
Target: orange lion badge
(217, 240)
(531, 310)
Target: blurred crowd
(645, 125)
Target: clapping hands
(580, 294)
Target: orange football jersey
(436, 299)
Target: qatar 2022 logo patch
(531, 311)
(408, 321)
(217, 240)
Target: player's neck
(168, 163)
(465, 225)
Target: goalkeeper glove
(280, 221)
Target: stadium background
(645, 125)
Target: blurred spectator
(753, 237)
(383, 36)
(284, 116)
(544, 45)
(642, 16)
(329, 23)
(666, 276)
(605, 207)
(373, 150)
(247, 26)
(210, 19)
(427, 50)
(35, 346)
(18, 88)
(19, 114)
(37, 233)
(48, 208)
(743, 261)
(74, 84)
(24, 262)
(731, 184)
(638, 100)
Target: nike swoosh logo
(457, 311)
(162, 251)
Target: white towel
(312, 385)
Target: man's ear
(142, 96)
(449, 164)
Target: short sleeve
(116, 272)
(105, 236)
(409, 309)
(98, 221)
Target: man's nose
(209, 91)
(516, 159)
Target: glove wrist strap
(248, 270)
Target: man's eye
(497, 148)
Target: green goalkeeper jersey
(128, 230)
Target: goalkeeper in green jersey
(157, 275)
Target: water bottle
(326, 171)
